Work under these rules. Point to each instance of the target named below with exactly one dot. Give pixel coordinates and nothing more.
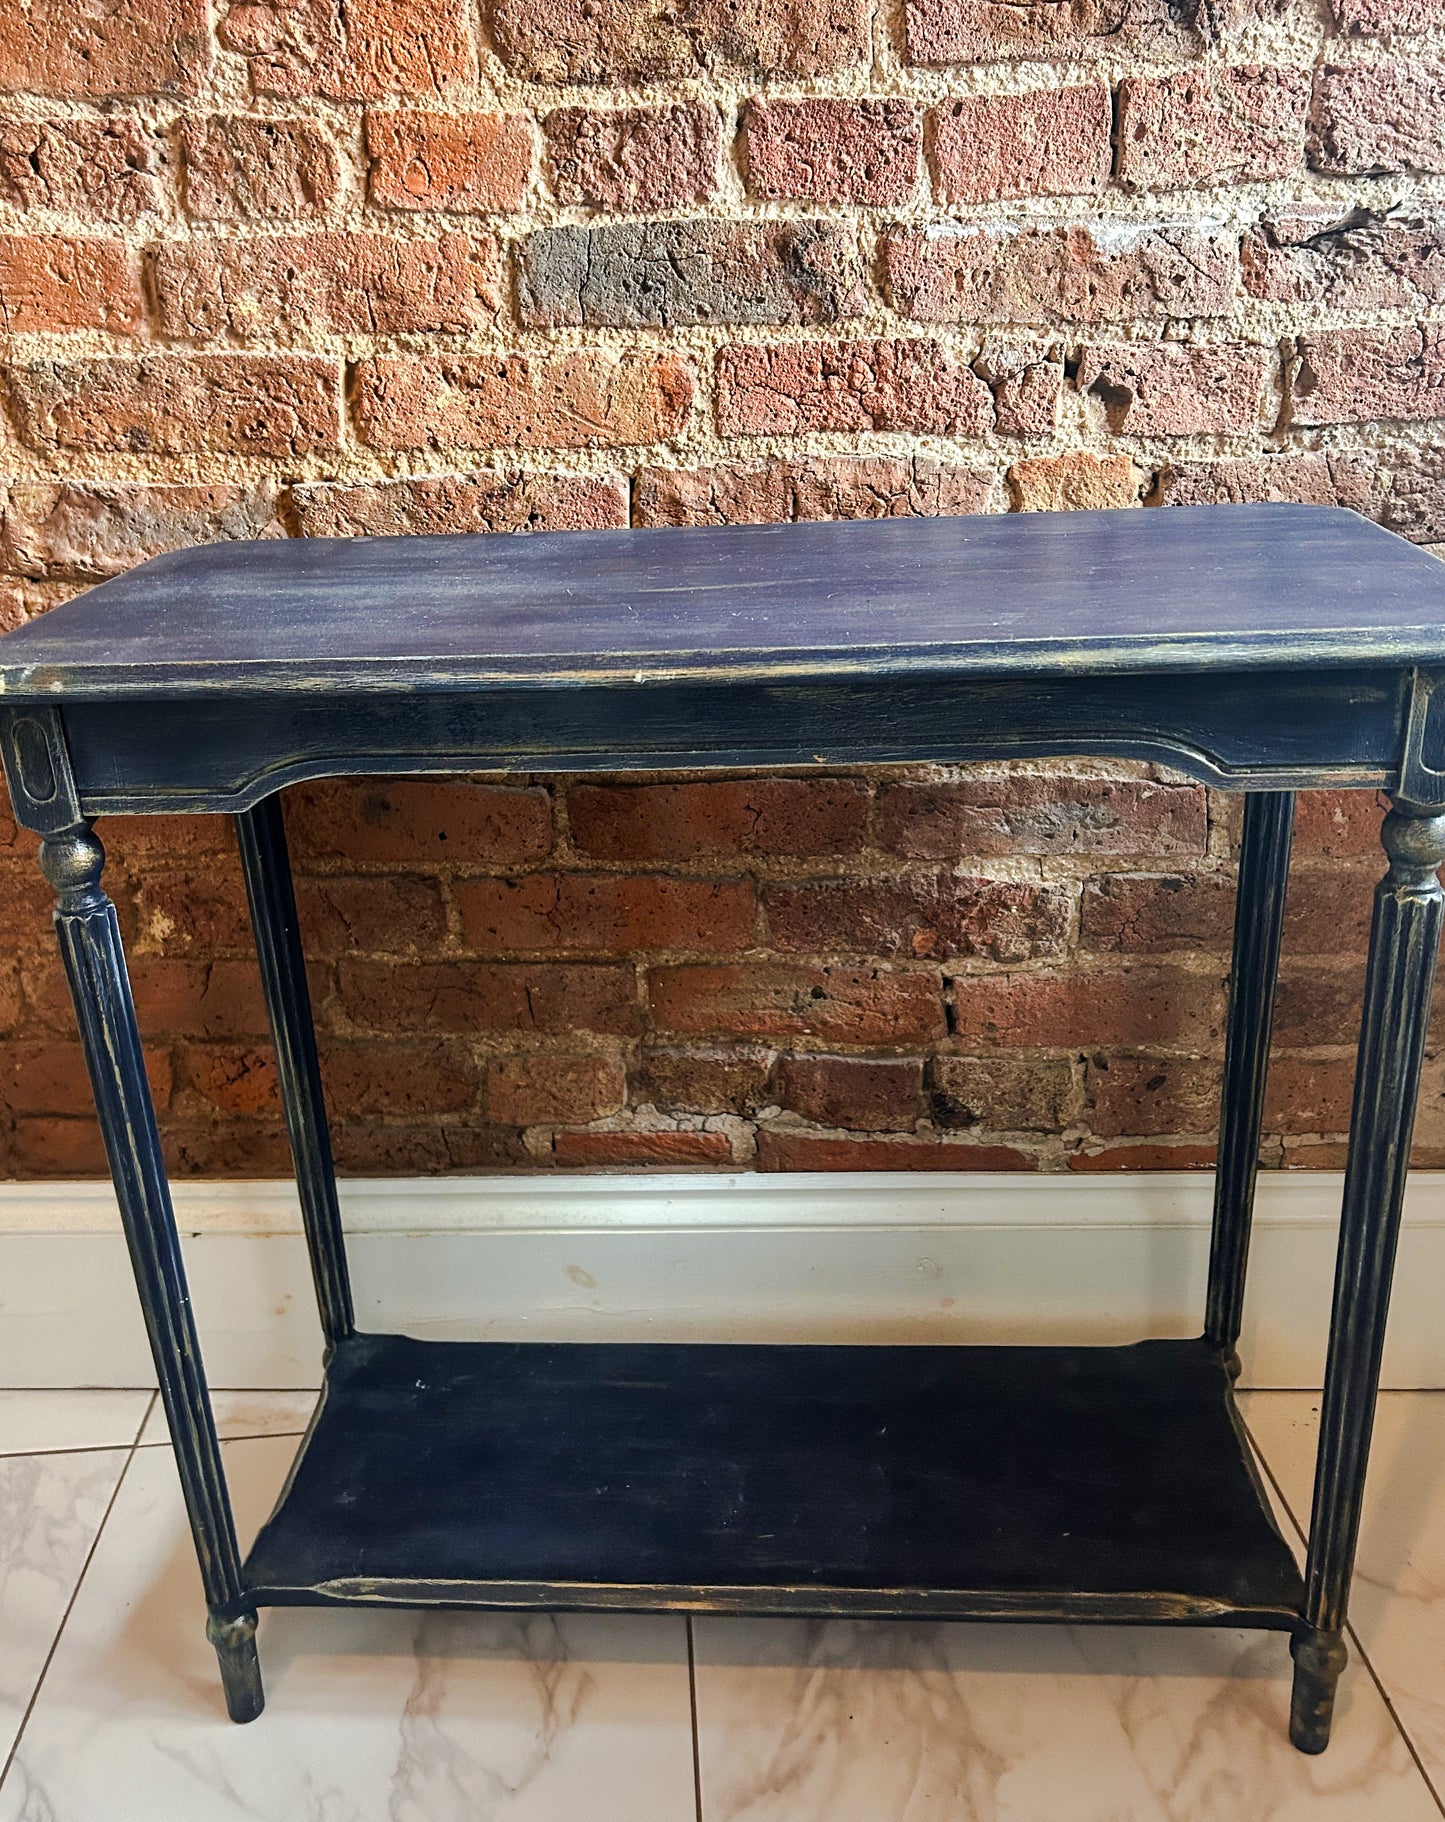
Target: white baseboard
(875, 1257)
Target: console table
(1260, 649)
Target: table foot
(235, 1643)
(1319, 1658)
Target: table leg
(267, 867)
(1258, 922)
(1404, 940)
(90, 944)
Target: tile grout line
(75, 1591)
(85, 1448)
(692, 1704)
(1354, 1637)
(164, 1442)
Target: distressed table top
(1185, 589)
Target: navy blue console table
(1259, 649)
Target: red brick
(1328, 911)
(1308, 1095)
(986, 31)
(794, 489)
(167, 404)
(16, 605)
(1331, 1154)
(957, 273)
(414, 820)
(352, 50)
(513, 501)
(676, 274)
(1027, 384)
(1326, 477)
(1022, 813)
(406, 1078)
(1379, 116)
(47, 1147)
(1175, 388)
(466, 996)
(49, 1077)
(124, 47)
(630, 161)
(1355, 376)
(760, 816)
(1358, 263)
(705, 1079)
(1182, 1155)
(465, 163)
(246, 167)
(1032, 1094)
(280, 286)
(1383, 18)
(1316, 1005)
(1046, 142)
(233, 1147)
(545, 1090)
(180, 911)
(52, 283)
(922, 915)
(620, 42)
(47, 996)
(11, 1003)
(1077, 482)
(828, 149)
(865, 1094)
(105, 169)
(577, 913)
(838, 1005)
(1149, 1096)
(1154, 912)
(230, 1079)
(787, 1150)
(789, 389)
(675, 1150)
(68, 529)
(28, 899)
(1339, 825)
(163, 840)
(395, 1150)
(1092, 1008)
(392, 914)
(1226, 124)
(204, 998)
(210, 998)
(1414, 504)
(586, 398)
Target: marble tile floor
(110, 1710)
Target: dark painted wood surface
(1247, 729)
(1188, 588)
(993, 1478)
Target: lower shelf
(1069, 1483)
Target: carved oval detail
(31, 751)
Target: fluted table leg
(1258, 924)
(267, 867)
(1404, 939)
(85, 922)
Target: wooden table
(1261, 649)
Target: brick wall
(294, 269)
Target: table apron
(1247, 730)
